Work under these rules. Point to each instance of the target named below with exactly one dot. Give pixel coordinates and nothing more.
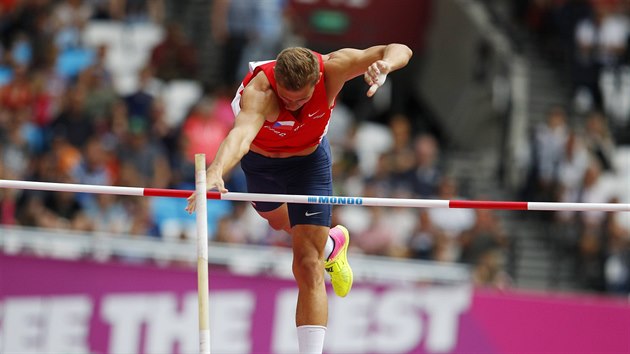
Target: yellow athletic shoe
(337, 265)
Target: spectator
(598, 140)
(182, 167)
(106, 10)
(594, 189)
(140, 103)
(615, 86)
(15, 151)
(347, 173)
(30, 203)
(42, 40)
(62, 211)
(451, 222)
(422, 244)
(591, 260)
(17, 94)
(246, 31)
(617, 262)
(108, 214)
(45, 103)
(425, 175)
(402, 223)
(68, 20)
(73, 122)
(488, 271)
(29, 18)
(118, 126)
(378, 238)
(72, 14)
(231, 229)
(136, 11)
(548, 142)
(53, 84)
(95, 82)
(572, 165)
(254, 228)
(203, 130)
(92, 169)
(485, 236)
(63, 158)
(149, 158)
(401, 156)
(8, 198)
(174, 57)
(160, 130)
(601, 43)
(223, 105)
(380, 182)
(21, 50)
(141, 224)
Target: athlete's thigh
(263, 176)
(312, 177)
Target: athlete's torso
(293, 132)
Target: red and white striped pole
(314, 199)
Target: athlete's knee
(308, 270)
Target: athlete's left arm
(348, 63)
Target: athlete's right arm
(256, 103)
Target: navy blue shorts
(308, 175)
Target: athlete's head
(296, 72)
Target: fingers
(190, 208)
(375, 76)
(380, 80)
(372, 90)
(377, 69)
(221, 188)
(371, 77)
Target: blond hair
(296, 67)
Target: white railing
(241, 259)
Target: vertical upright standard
(202, 253)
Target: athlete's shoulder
(259, 96)
(259, 83)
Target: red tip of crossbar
(482, 204)
(176, 193)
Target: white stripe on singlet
(236, 102)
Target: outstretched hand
(214, 182)
(190, 208)
(376, 75)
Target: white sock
(311, 339)
(330, 246)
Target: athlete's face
(294, 100)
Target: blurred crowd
(575, 150)
(589, 42)
(579, 163)
(63, 120)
